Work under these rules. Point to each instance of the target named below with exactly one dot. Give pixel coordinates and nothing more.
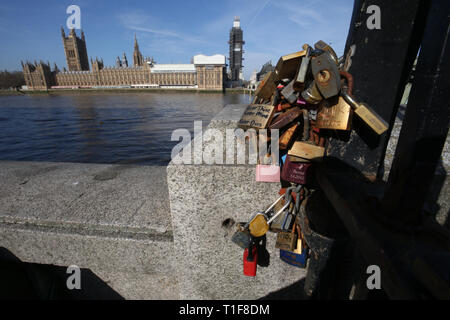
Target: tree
(12, 79)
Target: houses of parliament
(204, 72)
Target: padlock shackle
(349, 99)
(288, 199)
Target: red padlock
(250, 261)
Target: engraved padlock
(336, 115)
(286, 240)
(366, 114)
(297, 172)
(302, 151)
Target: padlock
(302, 151)
(312, 94)
(250, 260)
(242, 236)
(326, 75)
(300, 77)
(321, 45)
(288, 201)
(258, 225)
(286, 240)
(297, 172)
(285, 118)
(289, 93)
(256, 116)
(267, 173)
(337, 116)
(288, 65)
(277, 224)
(298, 256)
(366, 114)
(288, 137)
(267, 86)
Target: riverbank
(122, 90)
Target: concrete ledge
(111, 219)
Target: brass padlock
(258, 225)
(288, 65)
(267, 86)
(337, 116)
(366, 114)
(286, 240)
(302, 151)
(288, 136)
(256, 116)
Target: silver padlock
(326, 75)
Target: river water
(102, 127)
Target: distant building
(265, 69)
(75, 50)
(204, 73)
(253, 80)
(236, 50)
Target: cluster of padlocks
(306, 97)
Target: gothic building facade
(205, 73)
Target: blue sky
(171, 31)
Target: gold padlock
(302, 151)
(267, 86)
(258, 225)
(299, 247)
(366, 114)
(336, 117)
(286, 240)
(288, 65)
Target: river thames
(132, 128)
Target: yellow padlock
(258, 226)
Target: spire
(124, 60)
(82, 34)
(63, 34)
(136, 46)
